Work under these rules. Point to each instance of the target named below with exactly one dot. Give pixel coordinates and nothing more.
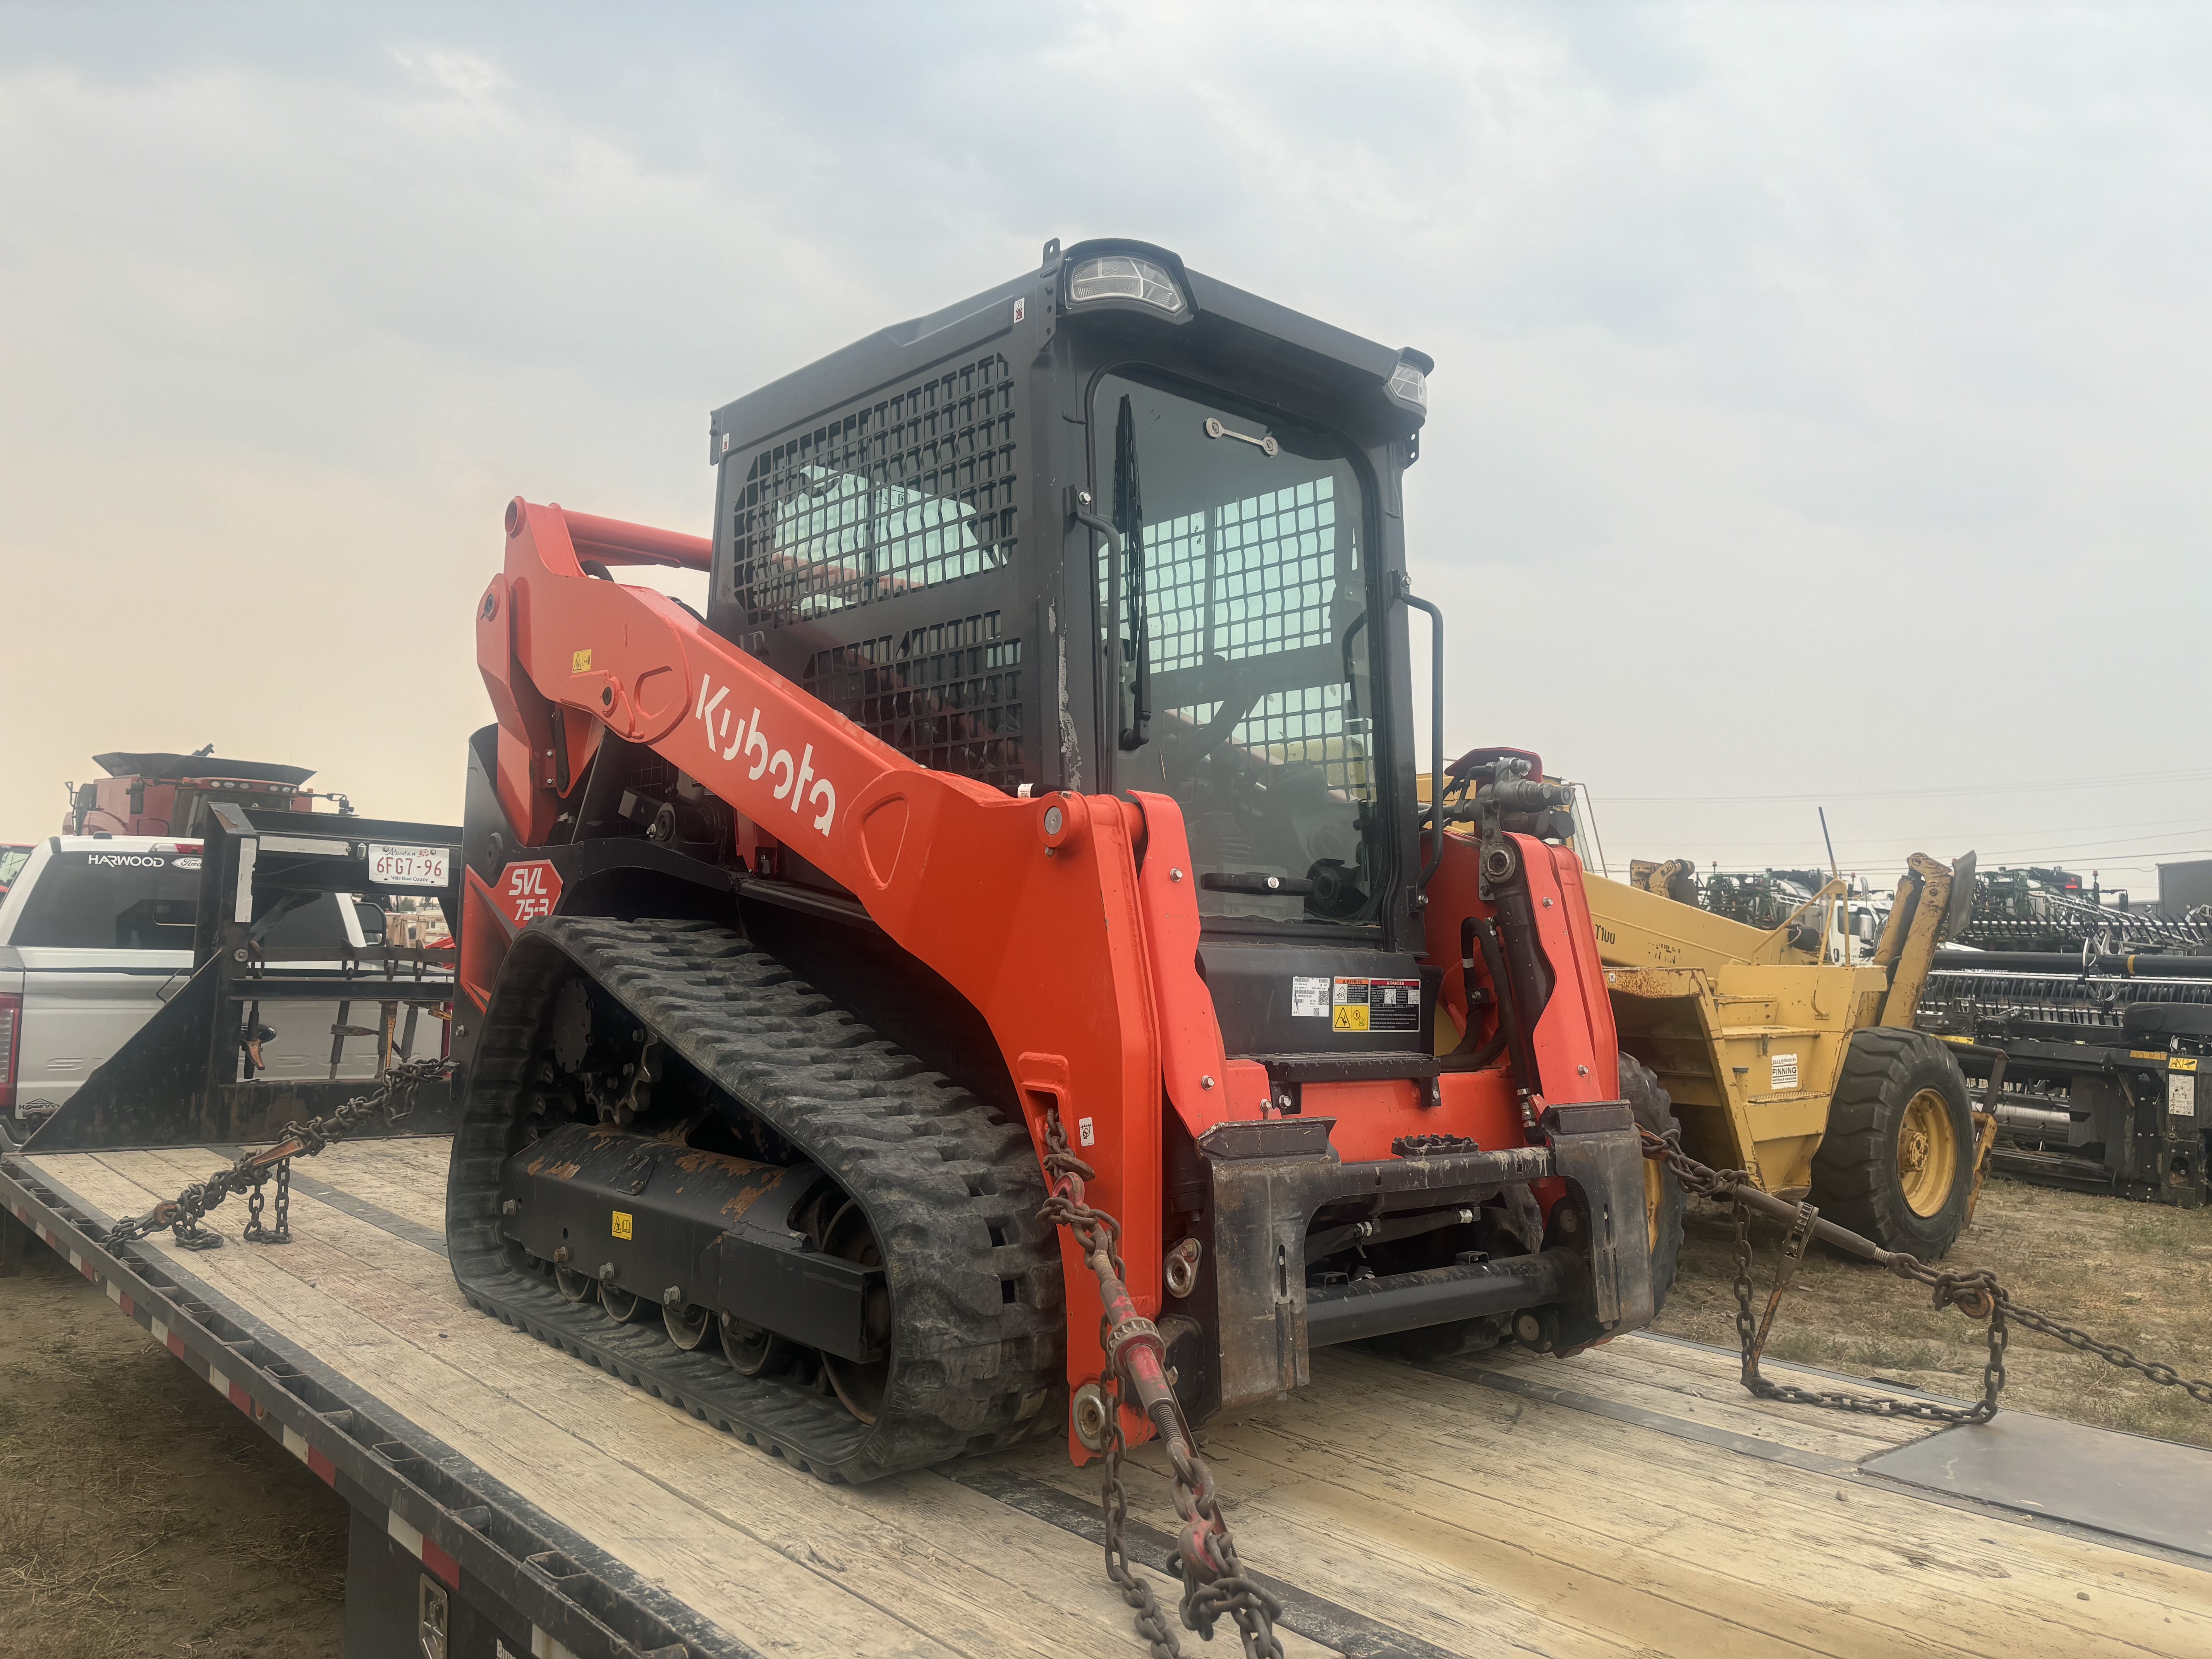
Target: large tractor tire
(1896, 1162)
(1664, 1201)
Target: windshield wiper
(1125, 574)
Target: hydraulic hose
(1475, 1055)
(1509, 1012)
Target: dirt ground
(2137, 1275)
(139, 1514)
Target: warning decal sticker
(1375, 1005)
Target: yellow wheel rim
(1654, 1193)
(1927, 1152)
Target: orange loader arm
(1033, 909)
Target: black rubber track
(937, 1173)
(1855, 1181)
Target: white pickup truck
(96, 933)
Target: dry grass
(2139, 1275)
(139, 1514)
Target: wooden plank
(751, 1589)
(1847, 1436)
(1600, 1585)
(1465, 1516)
(1433, 1407)
(1396, 1547)
(1768, 1490)
(1714, 1374)
(1573, 1476)
(406, 1188)
(941, 1560)
(1514, 1599)
(423, 1157)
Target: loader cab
(1114, 526)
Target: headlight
(1408, 386)
(1125, 276)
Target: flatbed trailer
(1632, 1501)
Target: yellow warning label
(2182, 1063)
(622, 1224)
(1374, 1004)
(580, 662)
(2145, 1054)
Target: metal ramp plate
(2151, 1490)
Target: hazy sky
(1820, 413)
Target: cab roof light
(1125, 276)
(1409, 385)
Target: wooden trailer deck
(1631, 1502)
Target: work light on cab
(1125, 276)
(1409, 385)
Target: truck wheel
(1896, 1162)
(1664, 1201)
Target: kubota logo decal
(795, 779)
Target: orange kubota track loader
(1044, 765)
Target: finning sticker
(1783, 1072)
(1309, 997)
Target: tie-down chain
(1975, 1292)
(1213, 1579)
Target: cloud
(462, 74)
(1819, 390)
